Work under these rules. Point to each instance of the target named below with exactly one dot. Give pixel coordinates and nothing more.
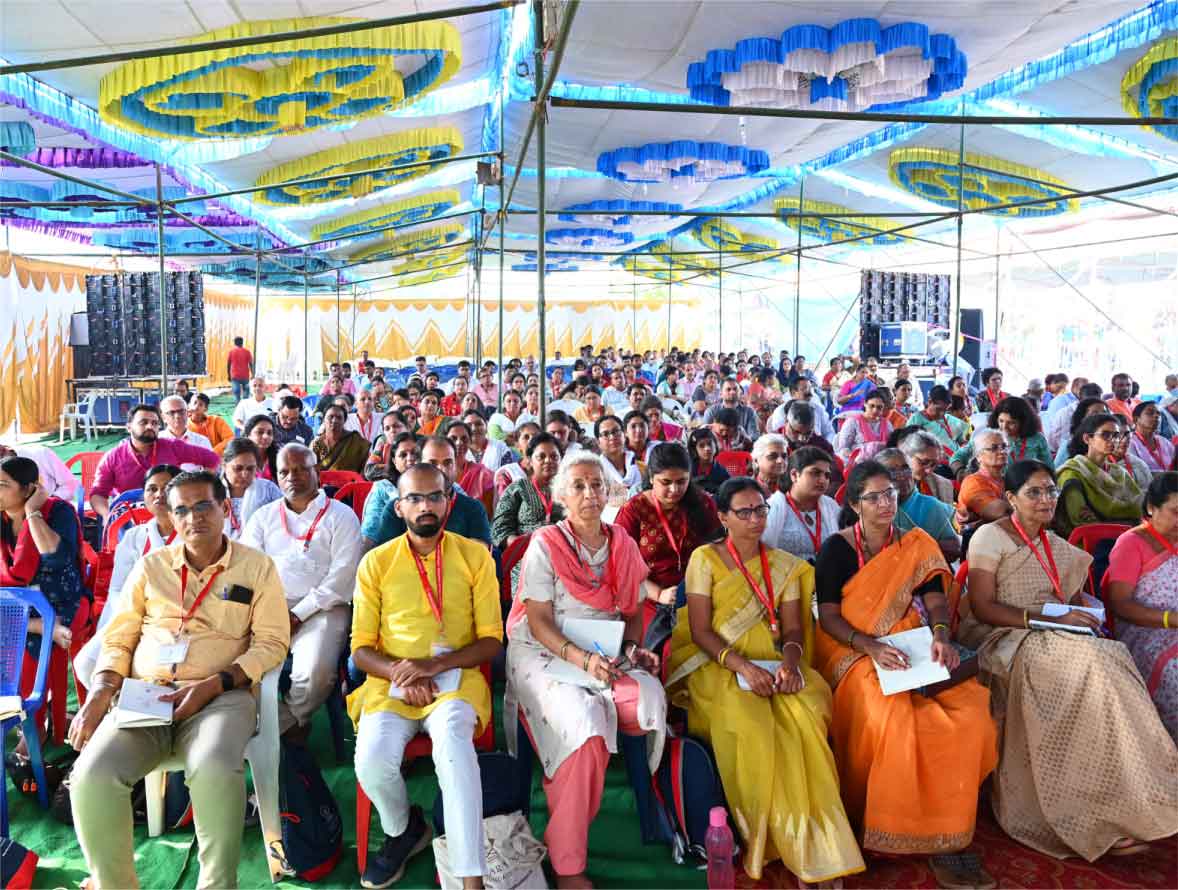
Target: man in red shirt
(240, 367)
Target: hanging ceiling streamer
(415, 208)
(854, 66)
(279, 277)
(664, 267)
(190, 240)
(716, 234)
(617, 213)
(428, 277)
(587, 238)
(426, 144)
(17, 138)
(429, 261)
(933, 174)
(683, 159)
(286, 87)
(1150, 87)
(554, 261)
(842, 228)
(418, 239)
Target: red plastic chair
(114, 531)
(420, 746)
(735, 462)
(512, 555)
(88, 461)
(339, 478)
(57, 679)
(358, 492)
(1087, 537)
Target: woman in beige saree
(1086, 767)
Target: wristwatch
(228, 684)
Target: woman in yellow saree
(769, 740)
(910, 763)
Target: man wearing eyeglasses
(205, 616)
(175, 412)
(315, 543)
(427, 617)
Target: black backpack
(503, 788)
(686, 787)
(312, 830)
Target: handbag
(514, 858)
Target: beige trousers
(212, 745)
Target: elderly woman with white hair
(770, 456)
(923, 453)
(584, 570)
(982, 497)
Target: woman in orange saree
(911, 763)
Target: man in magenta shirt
(241, 369)
(123, 467)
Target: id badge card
(174, 652)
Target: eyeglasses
(879, 497)
(1050, 493)
(176, 412)
(744, 514)
(610, 433)
(200, 508)
(994, 449)
(925, 463)
(1112, 437)
(416, 500)
(900, 473)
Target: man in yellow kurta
(426, 615)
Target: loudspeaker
(971, 331)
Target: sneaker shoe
(388, 866)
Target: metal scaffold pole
(159, 220)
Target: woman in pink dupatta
(1142, 583)
(580, 568)
(475, 479)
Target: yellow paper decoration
(1160, 98)
(415, 208)
(844, 228)
(418, 239)
(429, 143)
(436, 275)
(285, 87)
(717, 234)
(662, 267)
(932, 173)
(429, 261)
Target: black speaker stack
(900, 296)
(123, 312)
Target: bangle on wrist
(851, 639)
(633, 644)
(940, 624)
(585, 664)
(1026, 622)
(1166, 619)
(723, 656)
(792, 643)
(564, 647)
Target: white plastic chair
(81, 411)
(261, 752)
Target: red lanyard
(366, 433)
(434, 599)
(816, 535)
(147, 543)
(670, 535)
(1166, 545)
(545, 502)
(233, 520)
(924, 487)
(859, 542)
(204, 591)
(766, 598)
(1155, 452)
(1022, 452)
(995, 399)
(703, 470)
(1049, 563)
(310, 532)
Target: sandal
(961, 871)
(1128, 846)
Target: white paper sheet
(921, 671)
(770, 666)
(585, 632)
(446, 681)
(140, 705)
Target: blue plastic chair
(15, 603)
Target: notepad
(140, 705)
(446, 681)
(921, 671)
(1056, 610)
(10, 706)
(770, 666)
(584, 633)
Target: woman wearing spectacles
(910, 763)
(1019, 423)
(748, 604)
(1093, 486)
(1087, 767)
(980, 499)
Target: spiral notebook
(140, 705)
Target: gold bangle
(723, 655)
(1166, 619)
(851, 639)
(564, 648)
(1025, 622)
(940, 624)
(793, 643)
(588, 658)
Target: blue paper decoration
(681, 159)
(616, 213)
(587, 238)
(856, 65)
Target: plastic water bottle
(719, 844)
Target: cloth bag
(514, 857)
